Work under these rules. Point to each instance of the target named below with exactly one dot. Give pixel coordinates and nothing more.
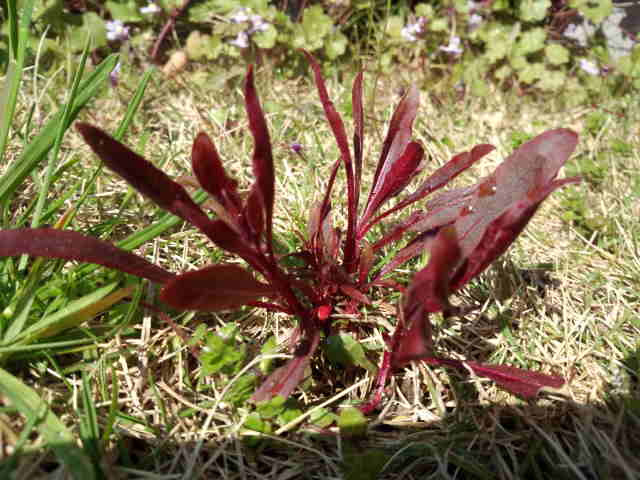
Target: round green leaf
(556, 54)
(552, 80)
(596, 11)
(124, 11)
(336, 45)
(531, 41)
(424, 10)
(266, 39)
(534, 10)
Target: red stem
(175, 13)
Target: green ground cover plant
(576, 47)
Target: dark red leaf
(403, 170)
(530, 168)
(68, 245)
(211, 174)
(254, 213)
(367, 259)
(145, 177)
(228, 239)
(358, 132)
(430, 286)
(355, 294)
(396, 141)
(516, 380)
(337, 126)
(285, 379)
(501, 233)
(264, 184)
(415, 340)
(214, 288)
(436, 180)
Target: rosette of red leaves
(463, 229)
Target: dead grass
(565, 299)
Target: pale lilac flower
(116, 30)
(453, 47)
(411, 31)
(150, 9)
(580, 32)
(589, 67)
(257, 24)
(241, 41)
(240, 16)
(474, 21)
(114, 75)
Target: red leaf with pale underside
(214, 288)
(68, 245)
(530, 168)
(501, 233)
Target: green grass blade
(18, 39)
(56, 434)
(134, 104)
(89, 428)
(36, 150)
(62, 128)
(64, 318)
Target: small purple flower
(411, 31)
(474, 21)
(241, 41)
(589, 67)
(117, 31)
(453, 47)
(255, 24)
(296, 147)
(240, 16)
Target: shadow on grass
(552, 438)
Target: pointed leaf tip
(208, 168)
(525, 383)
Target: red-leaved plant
(463, 230)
